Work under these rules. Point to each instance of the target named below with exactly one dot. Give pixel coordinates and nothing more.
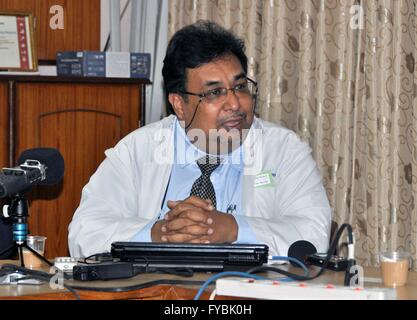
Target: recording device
(328, 260)
(306, 252)
(39, 166)
(302, 250)
(103, 271)
(334, 263)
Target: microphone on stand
(39, 166)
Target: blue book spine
(70, 63)
(94, 64)
(140, 65)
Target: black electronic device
(103, 271)
(38, 166)
(196, 257)
(335, 263)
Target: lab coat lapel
(253, 164)
(156, 173)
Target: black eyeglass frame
(203, 95)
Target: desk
(171, 287)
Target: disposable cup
(394, 268)
(37, 243)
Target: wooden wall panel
(81, 24)
(81, 120)
(4, 125)
(4, 133)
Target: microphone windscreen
(300, 250)
(51, 158)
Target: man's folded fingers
(197, 230)
(177, 237)
(200, 203)
(197, 216)
(178, 224)
(200, 240)
(179, 209)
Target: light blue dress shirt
(226, 179)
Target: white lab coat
(126, 191)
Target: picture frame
(18, 51)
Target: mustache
(237, 114)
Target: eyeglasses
(245, 90)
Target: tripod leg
(37, 255)
(22, 262)
(9, 248)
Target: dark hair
(197, 44)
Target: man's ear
(177, 103)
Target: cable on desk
(97, 257)
(226, 274)
(291, 259)
(213, 295)
(251, 274)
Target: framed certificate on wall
(17, 42)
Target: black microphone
(300, 250)
(39, 166)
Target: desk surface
(165, 286)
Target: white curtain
(149, 33)
(144, 28)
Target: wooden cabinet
(82, 117)
(4, 157)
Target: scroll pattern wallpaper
(342, 74)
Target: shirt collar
(186, 153)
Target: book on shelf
(103, 64)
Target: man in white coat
(213, 173)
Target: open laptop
(198, 257)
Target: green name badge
(264, 180)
